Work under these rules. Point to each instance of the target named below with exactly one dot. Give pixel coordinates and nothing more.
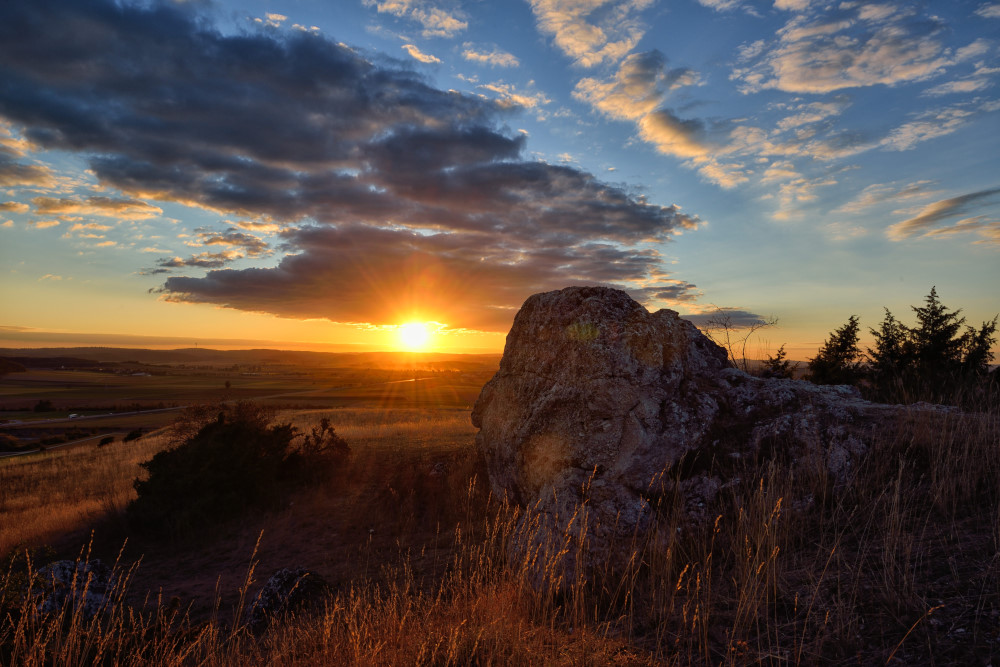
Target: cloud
(50, 276)
(14, 207)
(986, 228)
(123, 209)
(494, 57)
(636, 93)
(386, 276)
(18, 174)
(882, 193)
(725, 5)
(792, 5)
(929, 125)
(932, 215)
(989, 10)
(416, 54)
(736, 318)
(203, 260)
(7, 223)
(251, 245)
(271, 20)
(509, 96)
(436, 22)
(843, 48)
(375, 176)
(592, 31)
(637, 88)
(978, 80)
(43, 224)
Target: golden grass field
(900, 567)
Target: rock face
(602, 404)
(83, 585)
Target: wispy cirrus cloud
(888, 193)
(393, 191)
(933, 219)
(989, 10)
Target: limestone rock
(287, 590)
(600, 404)
(84, 585)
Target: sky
(315, 174)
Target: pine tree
(937, 347)
(778, 366)
(839, 360)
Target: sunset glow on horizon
(317, 175)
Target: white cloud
(494, 57)
(989, 10)
(881, 45)
(592, 31)
(930, 125)
(511, 96)
(721, 5)
(436, 22)
(417, 54)
(271, 20)
(792, 5)
(813, 113)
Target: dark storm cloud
(366, 274)
(734, 318)
(295, 128)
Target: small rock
(84, 585)
(288, 590)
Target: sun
(414, 336)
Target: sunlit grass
(898, 563)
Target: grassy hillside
(899, 566)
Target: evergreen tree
(778, 366)
(977, 352)
(937, 347)
(839, 360)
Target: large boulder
(601, 410)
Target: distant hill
(84, 357)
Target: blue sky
(318, 172)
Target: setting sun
(414, 336)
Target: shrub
(237, 462)
(134, 434)
(106, 440)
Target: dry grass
(899, 565)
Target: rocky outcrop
(83, 586)
(601, 409)
(289, 590)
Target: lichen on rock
(601, 405)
